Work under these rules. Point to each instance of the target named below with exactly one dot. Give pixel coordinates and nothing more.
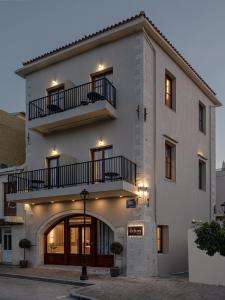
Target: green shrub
(211, 238)
(116, 248)
(25, 244)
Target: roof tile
(86, 37)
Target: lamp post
(84, 195)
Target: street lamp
(223, 207)
(84, 195)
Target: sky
(29, 28)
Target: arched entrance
(64, 242)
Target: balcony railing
(89, 172)
(91, 92)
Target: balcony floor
(75, 117)
(100, 190)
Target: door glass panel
(74, 240)
(5, 242)
(88, 240)
(9, 242)
(105, 238)
(55, 239)
(56, 99)
(102, 165)
(53, 171)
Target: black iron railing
(98, 90)
(97, 171)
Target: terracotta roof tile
(86, 37)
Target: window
(202, 174)
(170, 161)
(159, 239)
(170, 91)
(202, 117)
(162, 238)
(55, 239)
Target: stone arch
(53, 219)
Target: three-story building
(123, 115)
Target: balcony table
(112, 175)
(94, 96)
(54, 108)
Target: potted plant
(116, 248)
(24, 244)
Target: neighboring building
(12, 139)
(11, 219)
(12, 153)
(122, 114)
(220, 192)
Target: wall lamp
(143, 193)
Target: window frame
(202, 175)
(172, 161)
(172, 94)
(202, 117)
(159, 239)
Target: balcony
(80, 105)
(110, 177)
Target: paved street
(20, 289)
(173, 288)
(104, 287)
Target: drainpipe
(210, 163)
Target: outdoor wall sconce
(101, 143)
(54, 82)
(145, 114)
(143, 194)
(54, 152)
(138, 111)
(100, 67)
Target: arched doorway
(64, 242)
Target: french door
(78, 245)
(53, 171)
(7, 246)
(101, 164)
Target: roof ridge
(85, 37)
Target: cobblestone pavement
(107, 288)
(152, 289)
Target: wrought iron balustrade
(91, 92)
(89, 172)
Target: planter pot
(114, 271)
(23, 263)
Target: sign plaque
(131, 203)
(135, 231)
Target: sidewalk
(104, 287)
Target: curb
(46, 279)
(78, 296)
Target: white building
(122, 114)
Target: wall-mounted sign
(131, 203)
(135, 231)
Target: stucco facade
(137, 130)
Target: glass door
(101, 163)
(53, 171)
(7, 246)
